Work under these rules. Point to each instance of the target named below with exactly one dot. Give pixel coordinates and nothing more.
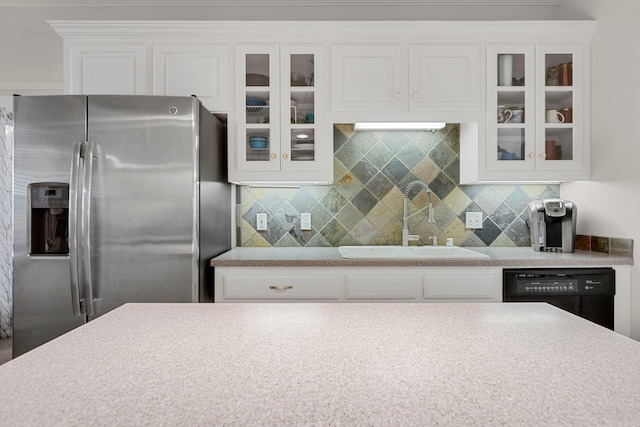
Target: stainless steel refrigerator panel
(143, 203)
(215, 198)
(45, 130)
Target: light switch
(261, 222)
(474, 220)
(305, 221)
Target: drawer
(382, 287)
(453, 286)
(280, 287)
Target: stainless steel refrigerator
(116, 199)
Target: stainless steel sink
(409, 252)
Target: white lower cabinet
(352, 284)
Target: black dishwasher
(587, 292)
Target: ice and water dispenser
(49, 219)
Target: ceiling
(267, 3)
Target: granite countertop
(328, 364)
(329, 257)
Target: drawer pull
(280, 287)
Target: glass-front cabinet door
(534, 109)
(560, 102)
(511, 107)
(277, 110)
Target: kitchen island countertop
(330, 257)
(328, 364)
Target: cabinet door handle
(274, 155)
(416, 95)
(532, 155)
(396, 95)
(274, 287)
(285, 156)
(543, 155)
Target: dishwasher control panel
(583, 281)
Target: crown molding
(268, 3)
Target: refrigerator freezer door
(46, 128)
(143, 241)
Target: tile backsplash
(364, 205)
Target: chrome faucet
(406, 237)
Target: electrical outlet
(261, 222)
(305, 221)
(474, 220)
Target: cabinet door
(193, 69)
(107, 69)
(368, 77)
(560, 108)
(257, 108)
(301, 109)
(511, 113)
(444, 77)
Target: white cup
(554, 116)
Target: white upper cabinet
(182, 69)
(444, 77)
(368, 77)
(106, 68)
(537, 124)
(396, 77)
(280, 115)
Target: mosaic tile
(275, 231)
(364, 201)
(341, 134)
(365, 141)
(621, 246)
(380, 155)
(364, 232)
(380, 216)
(410, 155)
(287, 216)
(425, 141)
(453, 171)
(272, 201)
(289, 240)
(457, 200)
(379, 186)
(349, 155)
(302, 200)
(301, 237)
(333, 232)
(426, 170)
(488, 200)
(489, 232)
(583, 242)
(318, 241)
(371, 172)
(333, 201)
(395, 170)
(442, 155)
(502, 216)
(517, 200)
(349, 216)
(442, 186)
(250, 214)
(395, 141)
(600, 244)
(364, 170)
(319, 217)
(518, 233)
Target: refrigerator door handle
(86, 227)
(73, 224)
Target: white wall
(609, 205)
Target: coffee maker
(553, 225)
